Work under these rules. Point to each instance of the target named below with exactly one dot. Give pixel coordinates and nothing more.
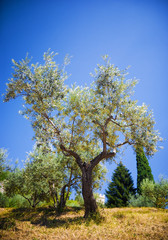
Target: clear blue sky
(131, 32)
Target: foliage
(4, 168)
(156, 192)
(89, 124)
(47, 176)
(24, 183)
(120, 187)
(73, 203)
(152, 194)
(139, 201)
(3, 157)
(87, 109)
(60, 174)
(3, 200)
(55, 172)
(79, 199)
(17, 201)
(143, 168)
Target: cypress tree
(143, 168)
(120, 187)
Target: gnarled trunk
(87, 192)
(86, 168)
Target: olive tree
(53, 170)
(26, 184)
(157, 192)
(78, 120)
(60, 173)
(4, 166)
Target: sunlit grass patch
(119, 215)
(118, 223)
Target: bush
(156, 192)
(72, 203)
(4, 200)
(140, 201)
(152, 194)
(79, 199)
(16, 201)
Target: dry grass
(118, 223)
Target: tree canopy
(88, 123)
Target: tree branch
(104, 140)
(101, 156)
(97, 122)
(57, 131)
(71, 141)
(73, 154)
(108, 120)
(120, 125)
(62, 147)
(123, 143)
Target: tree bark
(87, 191)
(62, 201)
(87, 168)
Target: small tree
(25, 183)
(79, 120)
(157, 192)
(152, 194)
(47, 176)
(120, 187)
(4, 168)
(143, 168)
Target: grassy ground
(117, 223)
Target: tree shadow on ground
(47, 217)
(56, 222)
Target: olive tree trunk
(87, 192)
(87, 168)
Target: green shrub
(140, 201)
(72, 203)
(156, 192)
(4, 200)
(79, 199)
(18, 201)
(152, 194)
